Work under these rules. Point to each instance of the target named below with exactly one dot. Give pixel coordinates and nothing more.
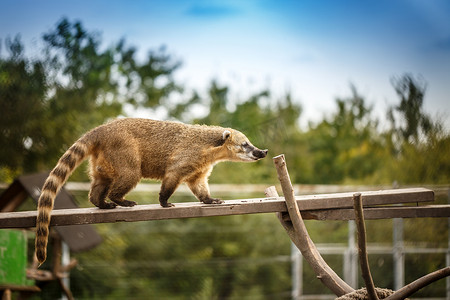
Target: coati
(126, 150)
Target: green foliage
(345, 146)
(413, 119)
(420, 147)
(22, 89)
(77, 85)
(423, 162)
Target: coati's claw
(168, 204)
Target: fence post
(65, 261)
(350, 258)
(297, 272)
(398, 254)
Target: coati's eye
(244, 144)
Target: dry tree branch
(299, 235)
(362, 249)
(416, 285)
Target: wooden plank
(19, 288)
(78, 216)
(370, 198)
(374, 213)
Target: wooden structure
(313, 207)
(77, 238)
(291, 211)
(296, 229)
(13, 263)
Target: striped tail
(58, 176)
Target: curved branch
(299, 235)
(416, 285)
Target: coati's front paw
(107, 205)
(167, 204)
(212, 201)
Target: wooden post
(297, 273)
(57, 267)
(296, 257)
(6, 294)
(298, 233)
(362, 249)
(65, 261)
(398, 253)
(351, 257)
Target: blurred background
(353, 93)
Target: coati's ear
(226, 134)
(221, 140)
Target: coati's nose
(260, 153)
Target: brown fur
(126, 150)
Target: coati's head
(239, 147)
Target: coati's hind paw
(167, 204)
(212, 201)
(126, 203)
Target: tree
(418, 145)
(413, 120)
(345, 146)
(22, 89)
(77, 85)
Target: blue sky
(314, 49)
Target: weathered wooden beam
(375, 213)
(370, 198)
(148, 212)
